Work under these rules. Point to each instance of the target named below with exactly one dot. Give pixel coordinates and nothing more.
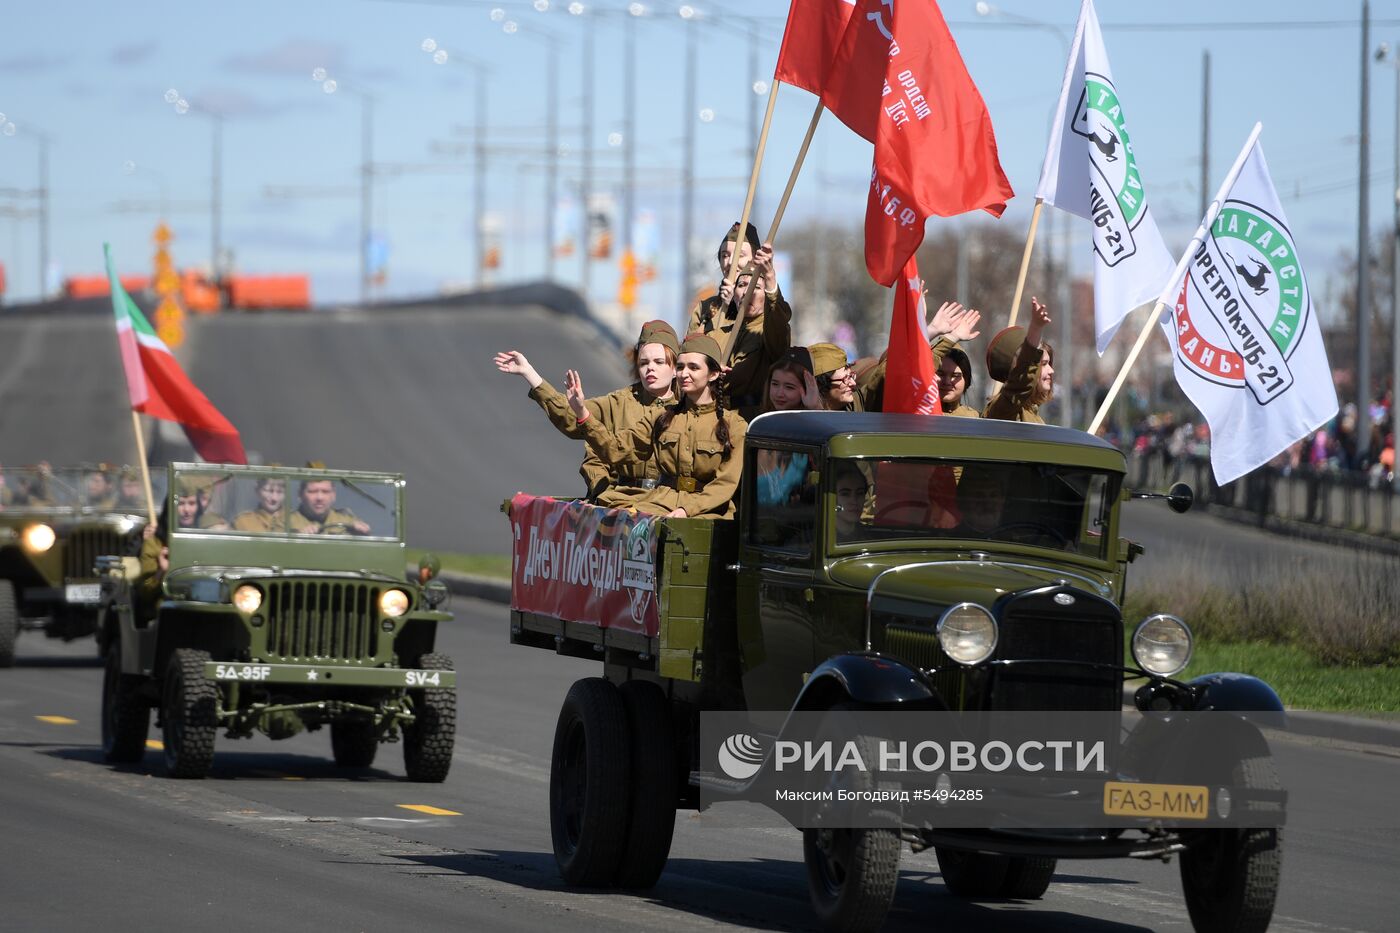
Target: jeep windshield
(1062, 508)
(301, 505)
(71, 489)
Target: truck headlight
(968, 633)
(393, 603)
(247, 598)
(39, 538)
(1162, 645)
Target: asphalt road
(278, 838)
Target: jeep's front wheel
(851, 875)
(9, 623)
(189, 715)
(428, 741)
(590, 784)
(125, 717)
(354, 743)
(1230, 876)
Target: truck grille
(1034, 628)
(84, 545)
(322, 621)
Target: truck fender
(1236, 692)
(866, 678)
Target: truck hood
(948, 578)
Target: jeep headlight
(968, 633)
(1162, 645)
(393, 603)
(247, 598)
(39, 538)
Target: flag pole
(145, 470)
(1178, 275)
(733, 273)
(777, 218)
(1025, 262)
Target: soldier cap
(827, 358)
(659, 332)
(703, 343)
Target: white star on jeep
(310, 675)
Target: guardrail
(1327, 499)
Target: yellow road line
(57, 720)
(293, 777)
(424, 808)
(157, 744)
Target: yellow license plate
(1174, 801)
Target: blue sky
(92, 77)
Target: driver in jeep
(317, 513)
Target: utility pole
(629, 129)
(552, 185)
(366, 189)
(479, 185)
(688, 169)
(1205, 133)
(216, 185)
(1363, 266)
(586, 181)
(43, 217)
(1064, 372)
(1395, 275)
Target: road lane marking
(424, 808)
(293, 777)
(57, 720)
(157, 744)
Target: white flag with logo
(1091, 170)
(1246, 342)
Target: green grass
(478, 565)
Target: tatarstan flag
(159, 387)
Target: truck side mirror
(1180, 498)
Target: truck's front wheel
(590, 784)
(125, 718)
(9, 623)
(428, 741)
(851, 874)
(189, 715)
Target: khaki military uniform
(105, 504)
(616, 411)
(211, 520)
(688, 456)
(261, 520)
(148, 584)
(760, 344)
(1013, 400)
(870, 389)
(301, 523)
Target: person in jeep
(317, 513)
(271, 513)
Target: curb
(1322, 534)
(491, 589)
(1340, 726)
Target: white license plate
(82, 592)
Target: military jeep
(284, 608)
(53, 525)
(908, 563)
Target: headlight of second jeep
(1162, 645)
(393, 603)
(247, 598)
(39, 538)
(968, 633)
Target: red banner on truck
(584, 563)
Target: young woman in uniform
(791, 387)
(1025, 366)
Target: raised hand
(943, 319)
(763, 263)
(1040, 319)
(573, 391)
(726, 291)
(965, 327)
(811, 395)
(513, 361)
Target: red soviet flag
(813, 34)
(899, 81)
(911, 383)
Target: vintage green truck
(53, 525)
(285, 607)
(907, 563)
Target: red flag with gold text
(911, 382)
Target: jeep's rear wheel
(1230, 876)
(354, 743)
(851, 875)
(972, 874)
(1027, 878)
(9, 623)
(125, 717)
(590, 784)
(189, 715)
(651, 818)
(428, 741)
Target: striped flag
(158, 387)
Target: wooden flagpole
(145, 470)
(1025, 262)
(777, 221)
(1122, 376)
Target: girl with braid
(697, 445)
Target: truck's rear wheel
(972, 874)
(125, 717)
(1027, 878)
(9, 623)
(354, 743)
(590, 784)
(189, 715)
(428, 742)
(651, 819)
(851, 875)
(1230, 876)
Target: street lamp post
(688, 169)
(1392, 56)
(216, 198)
(1363, 266)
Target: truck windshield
(296, 506)
(1063, 508)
